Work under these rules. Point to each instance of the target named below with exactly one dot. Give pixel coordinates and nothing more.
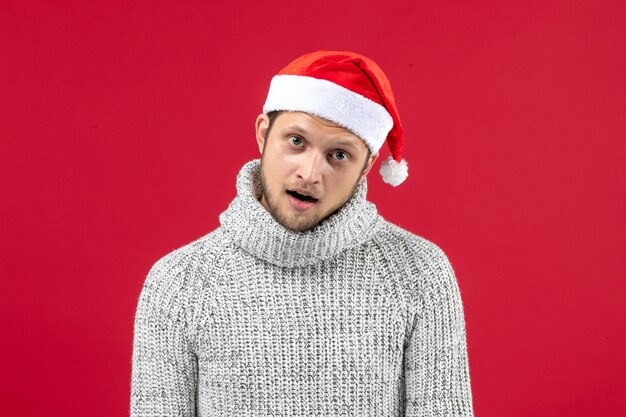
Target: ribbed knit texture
(356, 317)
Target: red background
(123, 127)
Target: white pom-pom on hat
(394, 172)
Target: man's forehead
(305, 123)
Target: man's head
(326, 115)
(310, 167)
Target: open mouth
(301, 197)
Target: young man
(305, 301)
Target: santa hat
(349, 89)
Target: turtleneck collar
(254, 229)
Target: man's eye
(340, 155)
(295, 140)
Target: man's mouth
(300, 201)
(301, 197)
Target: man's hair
(272, 117)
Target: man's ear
(261, 125)
(369, 165)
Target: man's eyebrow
(347, 144)
(296, 128)
(342, 142)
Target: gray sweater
(356, 317)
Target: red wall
(122, 128)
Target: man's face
(310, 168)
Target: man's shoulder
(422, 262)
(182, 264)
(175, 283)
(409, 245)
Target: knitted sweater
(356, 317)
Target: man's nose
(310, 168)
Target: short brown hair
(272, 116)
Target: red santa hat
(349, 89)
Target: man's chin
(295, 221)
(298, 226)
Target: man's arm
(164, 365)
(437, 381)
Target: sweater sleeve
(436, 369)
(164, 365)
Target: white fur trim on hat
(365, 118)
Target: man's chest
(293, 330)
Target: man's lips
(300, 201)
(302, 195)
